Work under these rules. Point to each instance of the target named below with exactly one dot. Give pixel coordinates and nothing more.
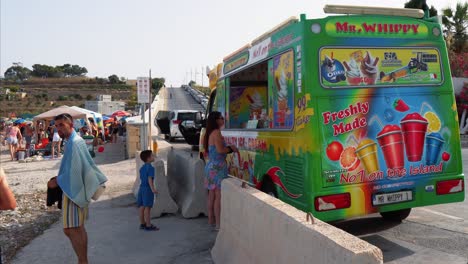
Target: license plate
(389, 198)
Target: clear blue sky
(128, 38)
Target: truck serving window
(248, 98)
(379, 67)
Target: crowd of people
(21, 136)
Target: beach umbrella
(120, 113)
(27, 116)
(19, 121)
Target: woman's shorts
(12, 140)
(72, 214)
(56, 138)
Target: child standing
(147, 191)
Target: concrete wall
(257, 228)
(186, 182)
(133, 141)
(163, 202)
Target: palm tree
(456, 23)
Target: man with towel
(79, 178)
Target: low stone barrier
(257, 228)
(163, 201)
(186, 182)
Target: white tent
(51, 114)
(97, 116)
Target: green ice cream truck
(345, 115)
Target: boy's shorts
(72, 214)
(145, 198)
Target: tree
(191, 83)
(76, 70)
(17, 72)
(46, 71)
(114, 79)
(157, 83)
(66, 69)
(421, 4)
(456, 23)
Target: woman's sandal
(151, 228)
(142, 226)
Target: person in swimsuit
(115, 131)
(56, 140)
(216, 168)
(13, 139)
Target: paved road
(180, 100)
(433, 234)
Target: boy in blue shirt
(147, 191)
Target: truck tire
(268, 187)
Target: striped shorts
(72, 214)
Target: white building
(105, 105)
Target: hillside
(35, 96)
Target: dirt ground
(28, 182)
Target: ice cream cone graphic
(369, 69)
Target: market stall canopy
(51, 114)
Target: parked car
(204, 103)
(168, 122)
(191, 129)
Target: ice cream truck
(345, 115)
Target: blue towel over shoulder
(79, 177)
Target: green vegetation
(456, 23)
(17, 72)
(13, 89)
(204, 90)
(421, 4)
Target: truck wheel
(268, 187)
(396, 216)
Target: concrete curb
(163, 201)
(257, 228)
(186, 182)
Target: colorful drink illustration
(367, 153)
(414, 128)
(434, 143)
(391, 142)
